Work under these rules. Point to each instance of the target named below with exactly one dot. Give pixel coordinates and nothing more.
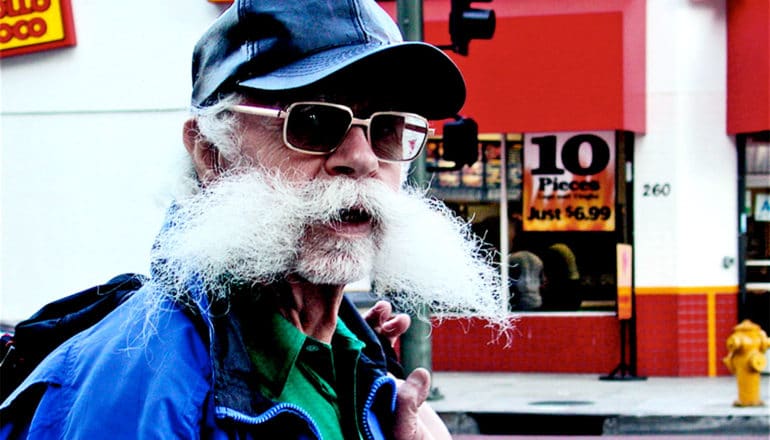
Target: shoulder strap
(56, 322)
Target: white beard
(255, 228)
(326, 259)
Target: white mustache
(251, 227)
(258, 220)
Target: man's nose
(354, 157)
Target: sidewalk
(579, 404)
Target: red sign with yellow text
(569, 181)
(35, 25)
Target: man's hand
(385, 323)
(415, 420)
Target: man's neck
(312, 308)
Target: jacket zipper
(376, 385)
(225, 412)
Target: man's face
(347, 244)
(262, 144)
(330, 219)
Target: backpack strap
(34, 338)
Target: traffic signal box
(467, 23)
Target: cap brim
(415, 76)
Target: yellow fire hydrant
(746, 359)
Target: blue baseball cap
(283, 45)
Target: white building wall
(90, 137)
(682, 239)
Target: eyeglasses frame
(278, 113)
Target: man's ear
(205, 156)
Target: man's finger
(419, 380)
(411, 394)
(378, 314)
(396, 325)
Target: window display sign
(569, 181)
(35, 25)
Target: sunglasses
(320, 127)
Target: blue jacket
(188, 377)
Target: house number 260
(656, 189)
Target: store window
(560, 251)
(756, 226)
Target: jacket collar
(237, 380)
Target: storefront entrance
(754, 301)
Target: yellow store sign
(35, 25)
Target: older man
(305, 117)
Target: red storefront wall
(544, 342)
(682, 331)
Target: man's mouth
(354, 215)
(352, 221)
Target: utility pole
(415, 342)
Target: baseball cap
(278, 45)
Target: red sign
(28, 26)
(569, 181)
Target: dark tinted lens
(316, 128)
(397, 136)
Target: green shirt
(318, 377)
